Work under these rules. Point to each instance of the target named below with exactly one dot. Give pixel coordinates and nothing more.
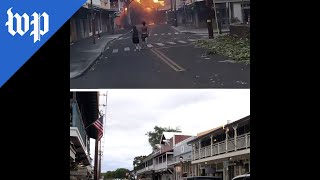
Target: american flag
(99, 125)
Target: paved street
(170, 61)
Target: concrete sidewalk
(198, 31)
(84, 53)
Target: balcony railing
(160, 166)
(242, 142)
(78, 123)
(149, 168)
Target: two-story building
(182, 159)
(83, 112)
(157, 166)
(223, 151)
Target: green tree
(154, 136)
(109, 175)
(121, 173)
(137, 161)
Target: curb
(99, 56)
(190, 32)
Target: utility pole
(175, 14)
(216, 17)
(100, 155)
(100, 27)
(92, 24)
(171, 10)
(96, 160)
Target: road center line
(168, 61)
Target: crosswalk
(127, 49)
(182, 42)
(162, 34)
(159, 44)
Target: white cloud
(132, 113)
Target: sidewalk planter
(240, 30)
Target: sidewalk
(198, 31)
(84, 53)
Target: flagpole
(89, 126)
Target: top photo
(160, 44)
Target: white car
(242, 177)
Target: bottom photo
(160, 134)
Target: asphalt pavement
(171, 60)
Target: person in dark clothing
(144, 34)
(135, 38)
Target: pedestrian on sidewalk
(144, 34)
(135, 38)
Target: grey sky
(132, 113)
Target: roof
(169, 135)
(186, 140)
(218, 129)
(208, 131)
(88, 103)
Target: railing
(149, 168)
(208, 151)
(196, 153)
(78, 123)
(141, 170)
(160, 166)
(242, 142)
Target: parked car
(202, 178)
(242, 177)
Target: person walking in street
(135, 38)
(144, 34)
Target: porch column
(211, 145)
(246, 138)
(227, 130)
(199, 150)
(235, 136)
(167, 159)
(162, 161)
(193, 152)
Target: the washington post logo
(38, 20)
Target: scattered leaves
(230, 46)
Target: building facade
(223, 151)
(83, 112)
(196, 12)
(182, 159)
(158, 165)
(86, 20)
